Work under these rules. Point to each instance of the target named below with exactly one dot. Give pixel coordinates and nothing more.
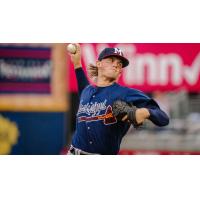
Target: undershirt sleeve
(81, 80)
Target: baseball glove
(121, 109)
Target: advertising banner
(33, 78)
(25, 70)
(153, 66)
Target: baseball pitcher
(106, 109)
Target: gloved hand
(122, 109)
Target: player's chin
(116, 76)
(112, 78)
(113, 75)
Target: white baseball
(71, 48)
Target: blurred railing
(182, 133)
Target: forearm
(141, 115)
(81, 79)
(158, 117)
(77, 67)
(137, 116)
(77, 64)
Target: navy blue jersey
(97, 130)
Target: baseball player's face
(110, 67)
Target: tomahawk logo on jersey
(96, 112)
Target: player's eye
(109, 60)
(113, 59)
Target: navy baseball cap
(107, 52)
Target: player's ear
(98, 63)
(120, 72)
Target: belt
(76, 151)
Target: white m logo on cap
(118, 51)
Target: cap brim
(125, 61)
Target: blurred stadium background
(38, 96)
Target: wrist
(77, 65)
(145, 113)
(141, 115)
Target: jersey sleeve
(141, 100)
(81, 80)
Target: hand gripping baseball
(75, 54)
(121, 109)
